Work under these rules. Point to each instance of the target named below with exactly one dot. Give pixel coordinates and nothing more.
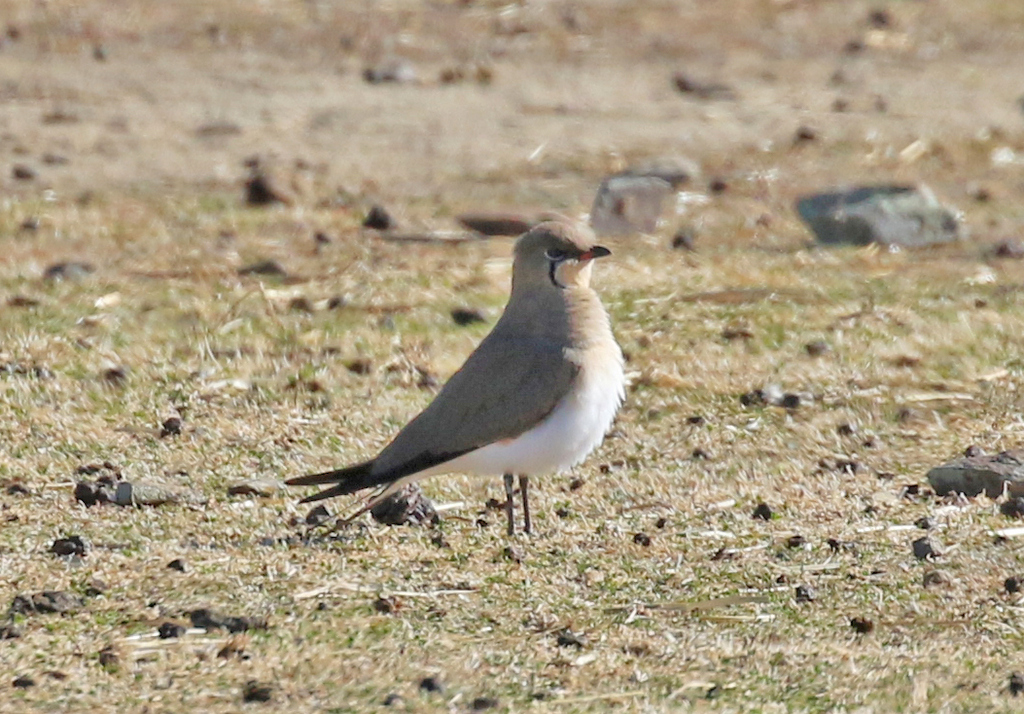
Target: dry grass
(924, 361)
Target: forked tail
(348, 480)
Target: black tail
(349, 480)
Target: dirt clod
(567, 638)
(861, 625)
(72, 545)
(254, 691)
(463, 316)
(432, 685)
(170, 427)
(208, 619)
(170, 630)
(47, 601)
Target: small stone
(23, 682)
(254, 691)
(483, 704)
(763, 512)
(378, 219)
(264, 188)
(861, 625)
(816, 348)
(661, 523)
(45, 602)
(923, 549)
(805, 134)
(1013, 507)
(790, 401)
(270, 268)
(390, 71)
(235, 648)
(642, 539)
(567, 638)
(935, 578)
(753, 398)
(23, 173)
(702, 89)
(804, 593)
(95, 587)
(72, 545)
(846, 429)
(513, 552)
(208, 619)
(17, 488)
(318, 515)
(170, 427)
(386, 605)
(796, 541)
(1011, 248)
(406, 506)
(109, 657)
(467, 316)
(178, 564)
(71, 270)
(91, 494)
(171, 630)
(1016, 685)
(684, 239)
(1012, 585)
(432, 685)
(10, 631)
(879, 19)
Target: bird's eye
(555, 254)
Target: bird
(537, 395)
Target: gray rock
(627, 204)
(632, 201)
(971, 475)
(889, 215)
(47, 601)
(146, 493)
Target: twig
(598, 697)
(711, 604)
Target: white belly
(571, 431)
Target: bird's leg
(524, 490)
(510, 504)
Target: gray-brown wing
(506, 387)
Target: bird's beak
(598, 251)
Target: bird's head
(555, 254)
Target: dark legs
(524, 489)
(510, 507)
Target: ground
(131, 123)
